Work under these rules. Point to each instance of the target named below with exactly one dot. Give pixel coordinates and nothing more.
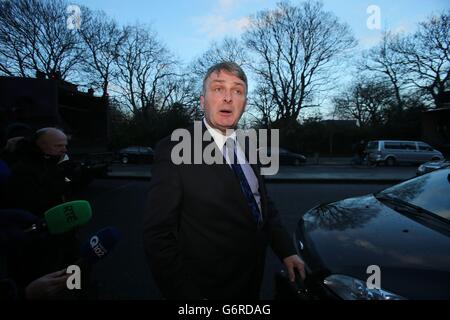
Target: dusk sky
(188, 27)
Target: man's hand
(48, 286)
(294, 262)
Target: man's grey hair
(42, 131)
(228, 66)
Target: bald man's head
(51, 141)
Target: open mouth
(225, 112)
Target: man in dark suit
(207, 226)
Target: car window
(392, 145)
(430, 192)
(425, 147)
(409, 146)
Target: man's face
(224, 100)
(53, 144)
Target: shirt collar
(217, 135)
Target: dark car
(135, 154)
(286, 157)
(401, 235)
(432, 165)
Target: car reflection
(403, 230)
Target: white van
(391, 152)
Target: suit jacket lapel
(225, 173)
(222, 171)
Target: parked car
(392, 152)
(135, 154)
(404, 231)
(287, 157)
(432, 165)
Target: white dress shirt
(220, 140)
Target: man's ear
(202, 102)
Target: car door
(425, 152)
(409, 151)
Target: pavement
(326, 170)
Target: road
(125, 275)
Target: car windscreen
(430, 192)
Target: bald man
(38, 180)
(52, 142)
(38, 183)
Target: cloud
(227, 5)
(216, 25)
(370, 41)
(222, 20)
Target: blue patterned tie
(237, 169)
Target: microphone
(65, 217)
(99, 245)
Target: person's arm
(161, 223)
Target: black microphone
(99, 245)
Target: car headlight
(349, 288)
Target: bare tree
(180, 90)
(102, 39)
(426, 56)
(386, 64)
(296, 47)
(229, 49)
(365, 101)
(144, 63)
(34, 37)
(262, 106)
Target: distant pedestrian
(360, 152)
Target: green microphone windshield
(67, 216)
